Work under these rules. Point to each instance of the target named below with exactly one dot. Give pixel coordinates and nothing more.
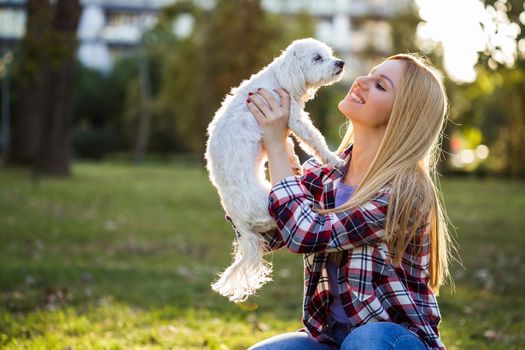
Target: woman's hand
(273, 121)
(271, 116)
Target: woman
(373, 232)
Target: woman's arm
(304, 230)
(273, 240)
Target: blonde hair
(406, 159)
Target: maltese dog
(235, 165)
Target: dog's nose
(340, 63)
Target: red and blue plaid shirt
(370, 287)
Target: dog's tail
(248, 272)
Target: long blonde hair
(406, 159)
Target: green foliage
(99, 98)
(226, 46)
(403, 29)
(99, 124)
(495, 104)
(473, 137)
(95, 143)
(122, 257)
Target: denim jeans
(371, 336)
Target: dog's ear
(290, 75)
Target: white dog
(236, 168)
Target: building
(349, 26)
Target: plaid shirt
(370, 287)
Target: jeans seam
(401, 337)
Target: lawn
(121, 257)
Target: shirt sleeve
(305, 231)
(273, 240)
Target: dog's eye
(318, 58)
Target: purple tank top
(342, 194)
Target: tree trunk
(54, 153)
(45, 89)
(516, 141)
(144, 126)
(30, 83)
(55, 143)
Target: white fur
(234, 162)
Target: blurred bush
(95, 143)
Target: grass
(121, 257)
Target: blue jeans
(370, 336)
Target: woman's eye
(380, 87)
(317, 58)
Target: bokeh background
(110, 231)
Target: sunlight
(465, 28)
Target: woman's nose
(361, 81)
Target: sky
(465, 28)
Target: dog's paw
(334, 161)
(297, 171)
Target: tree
(227, 45)
(403, 29)
(510, 91)
(494, 102)
(98, 127)
(30, 84)
(45, 93)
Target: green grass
(121, 257)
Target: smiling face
(371, 98)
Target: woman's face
(371, 98)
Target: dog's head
(306, 65)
